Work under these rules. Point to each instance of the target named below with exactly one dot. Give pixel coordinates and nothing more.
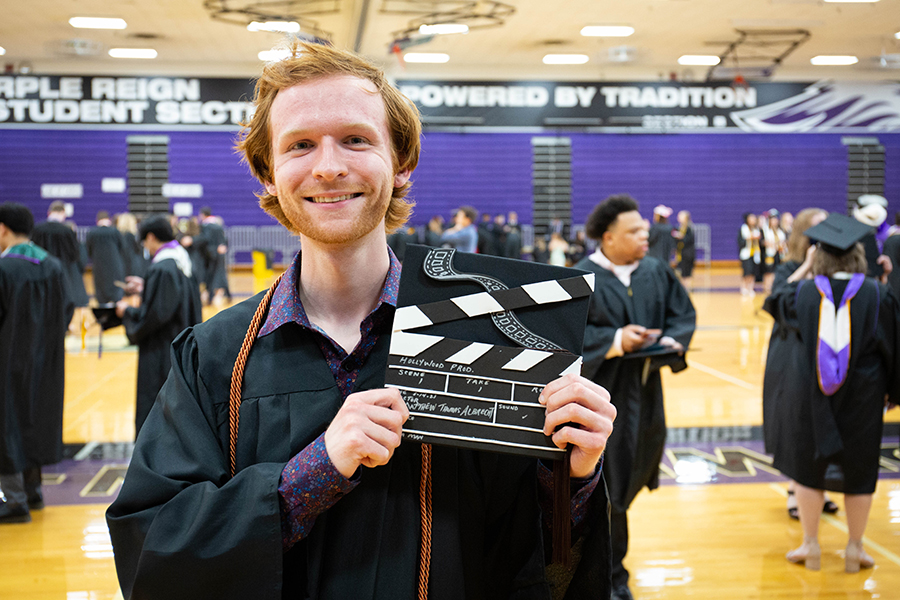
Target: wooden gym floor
(716, 529)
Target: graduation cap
(838, 233)
(106, 316)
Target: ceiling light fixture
(426, 57)
(833, 61)
(132, 52)
(97, 23)
(443, 28)
(2, 50)
(273, 55)
(607, 31)
(897, 35)
(565, 59)
(275, 26)
(703, 60)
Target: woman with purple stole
(850, 328)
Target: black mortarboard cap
(838, 233)
(106, 316)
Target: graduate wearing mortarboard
(849, 325)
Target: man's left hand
(578, 413)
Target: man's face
(333, 169)
(626, 239)
(461, 219)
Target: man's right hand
(634, 337)
(366, 430)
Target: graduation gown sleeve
(181, 528)
(162, 298)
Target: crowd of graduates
(114, 251)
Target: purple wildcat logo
(828, 106)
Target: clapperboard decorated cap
(475, 340)
(838, 233)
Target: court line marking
(843, 528)
(725, 376)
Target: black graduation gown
(170, 303)
(216, 273)
(60, 241)
(104, 246)
(835, 441)
(661, 242)
(656, 299)
(892, 250)
(784, 360)
(182, 529)
(35, 310)
(687, 252)
(133, 255)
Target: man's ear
(400, 178)
(270, 189)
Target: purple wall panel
(209, 158)
(29, 158)
(489, 171)
(716, 177)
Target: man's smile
(331, 199)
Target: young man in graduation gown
(324, 502)
(105, 248)
(216, 245)
(637, 302)
(170, 302)
(35, 310)
(60, 240)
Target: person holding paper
(322, 498)
(640, 316)
(170, 301)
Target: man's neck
(340, 285)
(618, 261)
(13, 240)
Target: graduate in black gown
(325, 499)
(170, 302)
(892, 251)
(685, 248)
(784, 357)
(35, 310)
(660, 242)
(216, 245)
(849, 325)
(60, 240)
(638, 304)
(132, 251)
(105, 248)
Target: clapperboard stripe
(472, 305)
(531, 366)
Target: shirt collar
(622, 272)
(287, 308)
